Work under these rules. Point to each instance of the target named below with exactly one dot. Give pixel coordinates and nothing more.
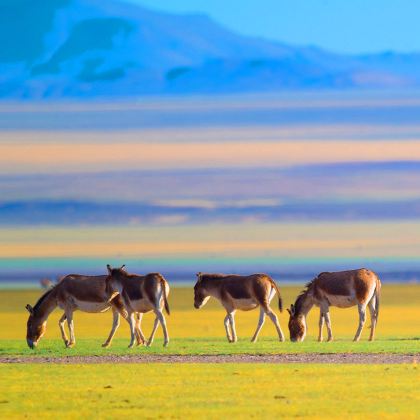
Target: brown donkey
(141, 294)
(74, 292)
(343, 290)
(239, 292)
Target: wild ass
(74, 292)
(141, 294)
(239, 292)
(341, 289)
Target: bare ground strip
(336, 358)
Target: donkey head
(297, 325)
(115, 276)
(35, 327)
(115, 272)
(200, 294)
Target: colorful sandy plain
(31, 157)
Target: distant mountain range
(94, 48)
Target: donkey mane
(302, 294)
(42, 298)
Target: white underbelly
(341, 301)
(93, 307)
(141, 305)
(244, 304)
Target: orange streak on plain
(92, 157)
(76, 248)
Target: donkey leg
(70, 323)
(232, 326)
(139, 333)
(321, 325)
(62, 330)
(132, 323)
(274, 319)
(162, 321)
(115, 325)
(259, 326)
(226, 324)
(328, 323)
(362, 319)
(152, 335)
(373, 319)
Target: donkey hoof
(70, 345)
(105, 345)
(166, 344)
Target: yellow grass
(400, 312)
(209, 391)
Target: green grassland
(207, 346)
(209, 391)
(201, 331)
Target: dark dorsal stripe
(204, 276)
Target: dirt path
(357, 358)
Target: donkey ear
(122, 267)
(109, 268)
(198, 276)
(288, 310)
(29, 309)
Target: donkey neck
(46, 304)
(305, 303)
(212, 287)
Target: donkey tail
(377, 297)
(276, 288)
(164, 285)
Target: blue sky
(349, 26)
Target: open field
(210, 391)
(201, 375)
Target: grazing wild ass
(73, 292)
(141, 294)
(239, 292)
(343, 290)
